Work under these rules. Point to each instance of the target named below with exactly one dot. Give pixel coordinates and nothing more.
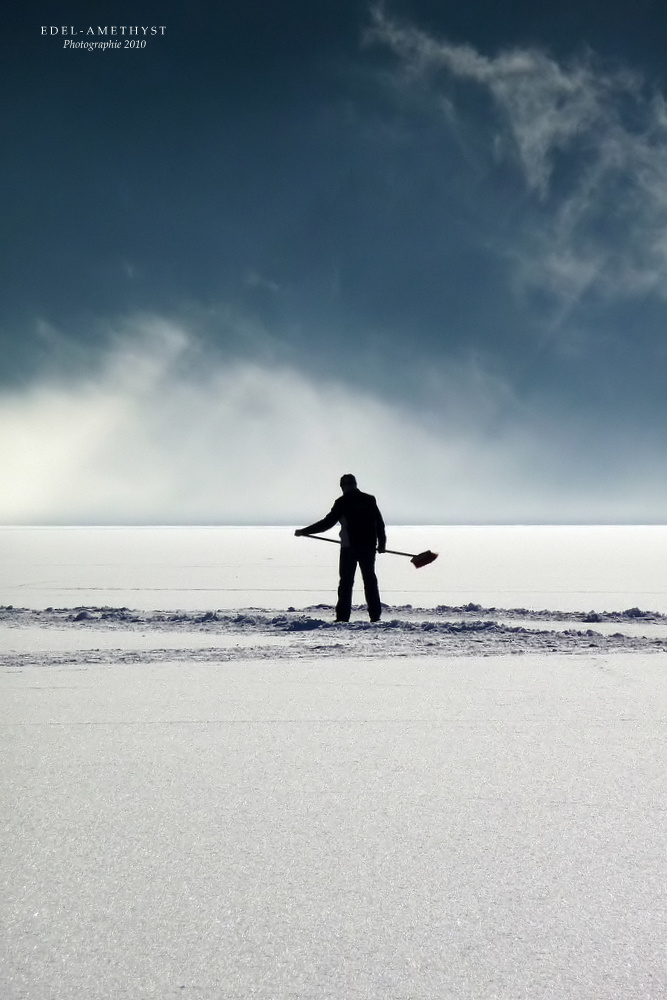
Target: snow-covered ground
(211, 790)
(111, 635)
(192, 569)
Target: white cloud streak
(591, 144)
(165, 434)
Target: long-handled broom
(418, 560)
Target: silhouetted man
(362, 532)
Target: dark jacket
(361, 522)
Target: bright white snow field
(212, 791)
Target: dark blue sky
(456, 211)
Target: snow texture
(461, 802)
(466, 827)
(260, 634)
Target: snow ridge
(99, 635)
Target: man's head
(347, 482)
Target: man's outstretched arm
(323, 525)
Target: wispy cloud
(163, 433)
(590, 142)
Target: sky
(421, 241)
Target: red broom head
(423, 559)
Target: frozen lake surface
(210, 790)
(568, 568)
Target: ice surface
(220, 801)
(459, 827)
(573, 568)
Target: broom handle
(335, 541)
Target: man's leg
(347, 566)
(367, 563)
